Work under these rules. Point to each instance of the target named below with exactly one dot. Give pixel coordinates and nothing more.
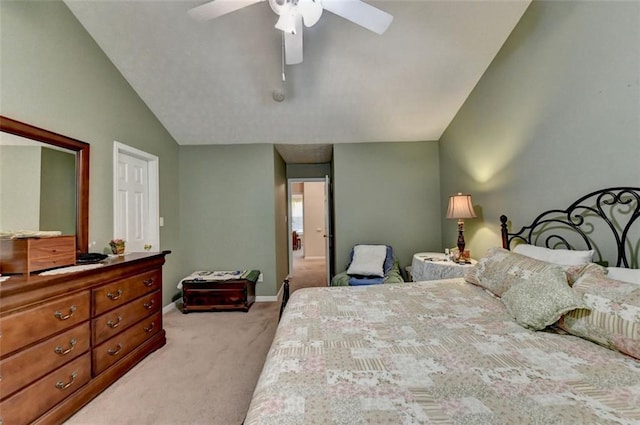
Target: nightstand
(435, 266)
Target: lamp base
(461, 243)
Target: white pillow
(561, 257)
(624, 275)
(368, 260)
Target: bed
(460, 351)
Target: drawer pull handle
(113, 324)
(115, 351)
(149, 305)
(59, 315)
(62, 351)
(149, 282)
(114, 296)
(62, 386)
(150, 328)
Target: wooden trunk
(237, 294)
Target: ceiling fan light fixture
(287, 20)
(311, 11)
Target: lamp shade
(460, 206)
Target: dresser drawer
(31, 402)
(28, 326)
(115, 321)
(54, 260)
(119, 293)
(109, 352)
(26, 366)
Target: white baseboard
(266, 298)
(259, 299)
(171, 306)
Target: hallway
(307, 273)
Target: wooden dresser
(65, 338)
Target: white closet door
(132, 202)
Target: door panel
(132, 201)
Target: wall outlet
(260, 279)
(161, 222)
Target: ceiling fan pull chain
(278, 93)
(282, 56)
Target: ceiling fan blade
(293, 44)
(217, 8)
(360, 13)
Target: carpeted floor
(207, 371)
(308, 273)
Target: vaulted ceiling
(213, 82)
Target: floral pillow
(500, 269)
(542, 299)
(575, 272)
(613, 318)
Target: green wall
(386, 193)
(58, 191)
(227, 209)
(20, 187)
(54, 76)
(556, 116)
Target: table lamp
(460, 207)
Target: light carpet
(205, 374)
(207, 371)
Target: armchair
(369, 265)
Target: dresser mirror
(45, 176)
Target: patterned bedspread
(440, 352)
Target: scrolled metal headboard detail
(606, 221)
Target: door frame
(327, 212)
(153, 188)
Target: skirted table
(435, 266)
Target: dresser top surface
(19, 286)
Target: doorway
(308, 229)
(135, 198)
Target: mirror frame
(81, 150)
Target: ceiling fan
(293, 13)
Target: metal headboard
(588, 223)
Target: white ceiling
(212, 82)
